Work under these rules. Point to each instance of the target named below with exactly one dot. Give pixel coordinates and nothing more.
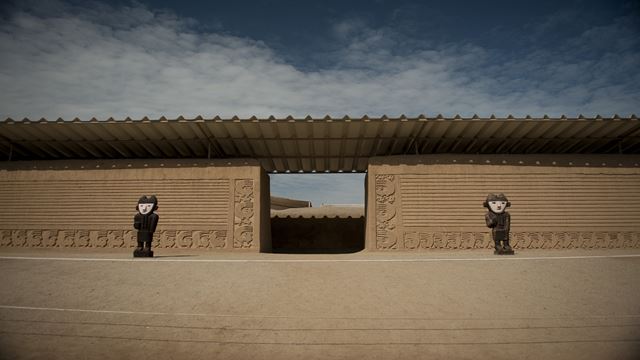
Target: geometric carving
(588, 240)
(574, 240)
(18, 237)
(563, 240)
(612, 240)
(49, 238)
(114, 239)
(467, 240)
(34, 238)
(98, 238)
(426, 240)
(452, 240)
(200, 239)
(219, 240)
(243, 214)
(549, 240)
(81, 238)
(5, 238)
(630, 240)
(167, 239)
(184, 239)
(536, 240)
(416, 240)
(65, 238)
(482, 241)
(127, 238)
(385, 190)
(411, 240)
(438, 242)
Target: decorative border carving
(421, 240)
(182, 239)
(243, 214)
(386, 211)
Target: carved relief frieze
(214, 238)
(415, 240)
(386, 211)
(243, 214)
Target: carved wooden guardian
(145, 221)
(499, 220)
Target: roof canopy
(312, 144)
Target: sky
(168, 58)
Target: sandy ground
(65, 304)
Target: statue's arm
(490, 219)
(137, 221)
(154, 222)
(507, 222)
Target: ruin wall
(216, 205)
(558, 202)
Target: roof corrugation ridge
(365, 117)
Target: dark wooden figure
(145, 221)
(499, 221)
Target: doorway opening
(317, 213)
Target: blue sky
(168, 58)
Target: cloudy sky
(167, 58)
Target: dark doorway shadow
(317, 235)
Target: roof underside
(314, 145)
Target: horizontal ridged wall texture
(92, 204)
(539, 200)
(424, 202)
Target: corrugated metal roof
(313, 144)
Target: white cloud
(130, 61)
(68, 61)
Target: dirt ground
(571, 304)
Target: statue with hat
(145, 221)
(499, 221)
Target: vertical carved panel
(243, 214)
(386, 237)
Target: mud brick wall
(212, 205)
(435, 202)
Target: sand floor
(88, 303)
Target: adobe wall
(435, 201)
(217, 205)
